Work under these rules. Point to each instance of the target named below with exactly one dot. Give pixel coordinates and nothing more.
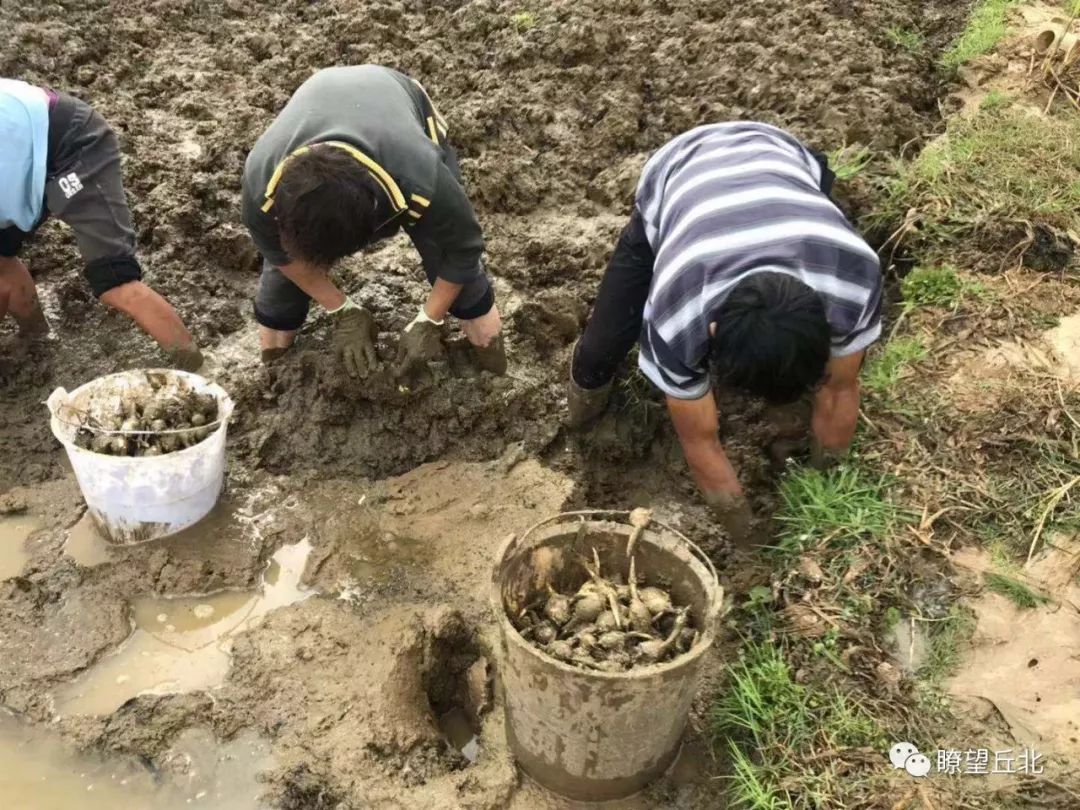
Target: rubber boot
(493, 356)
(585, 404)
(270, 355)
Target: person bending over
(358, 154)
(735, 270)
(59, 157)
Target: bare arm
(153, 313)
(836, 403)
(315, 281)
(697, 426)
(443, 294)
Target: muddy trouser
(281, 305)
(84, 189)
(615, 323)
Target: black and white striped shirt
(722, 202)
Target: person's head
(327, 205)
(770, 338)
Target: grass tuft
(849, 161)
(887, 367)
(1015, 591)
(523, 20)
(973, 193)
(906, 38)
(840, 505)
(946, 640)
(996, 99)
(773, 725)
(985, 29)
(938, 287)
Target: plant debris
(609, 625)
(166, 416)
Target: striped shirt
(725, 201)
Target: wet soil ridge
(555, 109)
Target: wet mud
(554, 111)
(404, 491)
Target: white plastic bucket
(134, 499)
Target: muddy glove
(734, 514)
(354, 339)
(421, 341)
(189, 359)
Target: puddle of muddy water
(183, 644)
(86, 545)
(14, 532)
(38, 771)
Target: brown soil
(554, 114)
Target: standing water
(13, 534)
(38, 771)
(183, 644)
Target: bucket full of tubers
(147, 448)
(605, 619)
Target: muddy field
(403, 494)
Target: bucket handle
(695, 549)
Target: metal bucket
(596, 736)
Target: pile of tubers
(608, 625)
(165, 416)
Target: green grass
(992, 173)
(984, 30)
(945, 648)
(849, 161)
(946, 640)
(996, 99)
(523, 20)
(841, 504)
(938, 286)
(887, 367)
(1015, 591)
(772, 724)
(906, 38)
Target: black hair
(772, 338)
(327, 205)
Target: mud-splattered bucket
(597, 736)
(133, 499)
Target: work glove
(734, 514)
(186, 359)
(354, 339)
(421, 341)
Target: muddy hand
(782, 450)
(35, 325)
(186, 359)
(822, 459)
(354, 339)
(420, 342)
(734, 514)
